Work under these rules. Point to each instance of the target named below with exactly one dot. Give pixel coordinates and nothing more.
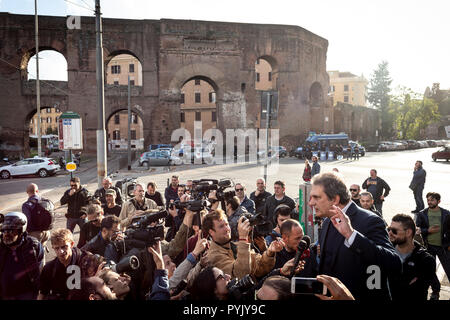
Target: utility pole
(101, 132)
(38, 88)
(129, 124)
(268, 111)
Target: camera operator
(234, 211)
(210, 284)
(236, 259)
(110, 231)
(137, 206)
(175, 219)
(90, 229)
(53, 284)
(21, 259)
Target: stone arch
(266, 73)
(27, 55)
(119, 52)
(198, 70)
(316, 95)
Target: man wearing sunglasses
(354, 191)
(92, 227)
(243, 199)
(419, 266)
(75, 198)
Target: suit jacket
(371, 246)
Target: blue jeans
(418, 197)
(72, 222)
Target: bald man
(28, 208)
(354, 191)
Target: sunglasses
(393, 230)
(239, 189)
(353, 190)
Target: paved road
(395, 167)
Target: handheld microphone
(302, 247)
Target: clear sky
(412, 35)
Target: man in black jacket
(419, 266)
(21, 259)
(417, 184)
(260, 195)
(93, 225)
(76, 197)
(376, 186)
(279, 197)
(110, 231)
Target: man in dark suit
(354, 243)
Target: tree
(378, 96)
(412, 113)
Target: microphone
(302, 247)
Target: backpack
(42, 215)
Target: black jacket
(272, 203)
(79, 199)
(97, 245)
(100, 194)
(381, 184)
(423, 223)
(418, 180)
(29, 255)
(417, 272)
(259, 200)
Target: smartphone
(307, 286)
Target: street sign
(71, 166)
(70, 131)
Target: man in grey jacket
(316, 166)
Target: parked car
(432, 143)
(443, 153)
(158, 158)
(43, 167)
(441, 143)
(398, 145)
(403, 145)
(159, 146)
(413, 144)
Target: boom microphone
(302, 247)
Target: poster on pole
(70, 131)
(447, 130)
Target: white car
(43, 167)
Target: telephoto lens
(126, 264)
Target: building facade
(117, 132)
(347, 88)
(122, 66)
(49, 121)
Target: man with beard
(21, 259)
(93, 226)
(53, 284)
(260, 195)
(354, 190)
(434, 224)
(110, 231)
(171, 192)
(75, 198)
(418, 266)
